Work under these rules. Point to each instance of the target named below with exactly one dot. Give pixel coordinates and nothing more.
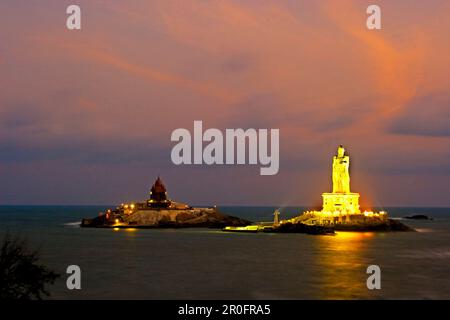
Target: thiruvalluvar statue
(341, 208)
(341, 176)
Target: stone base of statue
(343, 203)
(342, 209)
(337, 218)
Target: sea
(202, 263)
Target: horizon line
(220, 205)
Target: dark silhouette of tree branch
(21, 275)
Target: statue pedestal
(341, 203)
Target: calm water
(209, 264)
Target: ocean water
(210, 264)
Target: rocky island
(160, 212)
(418, 217)
(341, 210)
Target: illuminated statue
(341, 207)
(341, 176)
(341, 200)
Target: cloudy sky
(86, 116)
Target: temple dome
(158, 194)
(158, 186)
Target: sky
(86, 115)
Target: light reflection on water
(340, 259)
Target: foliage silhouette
(21, 275)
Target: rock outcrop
(302, 228)
(418, 217)
(167, 218)
(389, 225)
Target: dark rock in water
(418, 217)
(166, 218)
(302, 228)
(389, 225)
